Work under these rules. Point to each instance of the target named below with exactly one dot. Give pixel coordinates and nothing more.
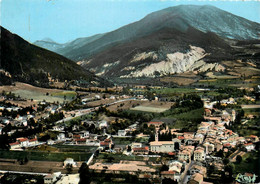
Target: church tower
(156, 138)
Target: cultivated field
(27, 91)
(153, 106)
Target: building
(163, 146)
(107, 143)
(249, 147)
(121, 132)
(198, 169)
(196, 179)
(140, 151)
(185, 153)
(199, 154)
(167, 174)
(24, 142)
(157, 124)
(69, 161)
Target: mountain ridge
(25, 62)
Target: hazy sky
(65, 20)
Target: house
(199, 154)
(50, 142)
(177, 167)
(167, 174)
(136, 145)
(69, 161)
(196, 179)
(156, 124)
(249, 147)
(209, 147)
(24, 142)
(33, 142)
(185, 153)
(140, 151)
(107, 143)
(102, 124)
(61, 136)
(14, 145)
(121, 132)
(198, 169)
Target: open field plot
(252, 111)
(35, 166)
(27, 91)
(116, 158)
(45, 156)
(153, 106)
(149, 109)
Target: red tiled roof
(31, 140)
(155, 123)
(141, 149)
(104, 143)
(180, 137)
(247, 144)
(81, 140)
(227, 145)
(168, 172)
(22, 139)
(171, 153)
(14, 143)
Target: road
(18, 172)
(185, 178)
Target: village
(101, 132)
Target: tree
(238, 159)
(69, 168)
(226, 161)
(164, 168)
(84, 174)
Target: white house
(249, 147)
(121, 132)
(61, 136)
(69, 161)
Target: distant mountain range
(22, 61)
(172, 40)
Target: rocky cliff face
(176, 62)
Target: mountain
(63, 49)
(174, 40)
(164, 52)
(22, 61)
(203, 18)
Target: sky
(66, 20)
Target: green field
(44, 156)
(174, 91)
(251, 166)
(39, 96)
